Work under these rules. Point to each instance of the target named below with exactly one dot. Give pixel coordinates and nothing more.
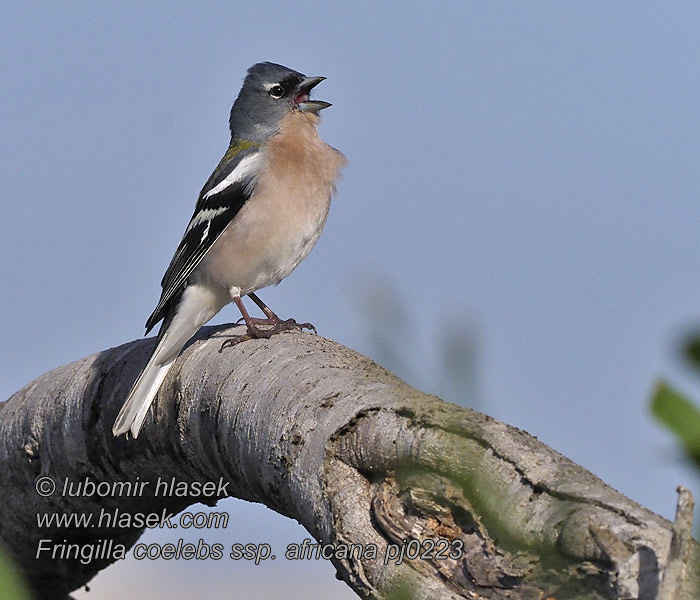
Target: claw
(234, 340)
(308, 326)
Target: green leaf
(12, 587)
(691, 350)
(680, 415)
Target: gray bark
(323, 435)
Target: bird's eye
(276, 91)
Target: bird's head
(269, 93)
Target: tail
(134, 411)
(196, 306)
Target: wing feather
(222, 197)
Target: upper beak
(301, 98)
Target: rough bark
(323, 435)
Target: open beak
(301, 97)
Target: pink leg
(254, 332)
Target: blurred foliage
(691, 350)
(675, 410)
(681, 416)
(11, 586)
(399, 342)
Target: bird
(257, 217)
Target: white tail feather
(196, 307)
(133, 413)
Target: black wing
(218, 203)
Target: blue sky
(527, 172)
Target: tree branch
(323, 435)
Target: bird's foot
(276, 325)
(257, 321)
(279, 326)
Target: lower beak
(313, 105)
(302, 95)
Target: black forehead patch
(290, 82)
(267, 73)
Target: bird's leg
(252, 324)
(254, 332)
(277, 323)
(272, 317)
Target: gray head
(269, 92)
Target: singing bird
(257, 217)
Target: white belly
(265, 243)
